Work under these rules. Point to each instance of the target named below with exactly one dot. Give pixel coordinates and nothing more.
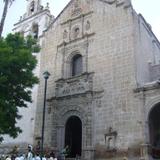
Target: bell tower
(34, 22)
(33, 6)
(36, 19)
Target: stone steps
(72, 158)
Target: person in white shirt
(37, 157)
(44, 158)
(22, 157)
(29, 155)
(8, 158)
(17, 158)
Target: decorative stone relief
(68, 110)
(75, 85)
(120, 2)
(110, 1)
(76, 4)
(88, 1)
(110, 139)
(76, 8)
(65, 34)
(88, 25)
(126, 3)
(75, 32)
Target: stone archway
(73, 136)
(154, 130)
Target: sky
(150, 9)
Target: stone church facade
(103, 93)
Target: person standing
(29, 155)
(65, 152)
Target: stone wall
(106, 40)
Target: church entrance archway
(154, 130)
(73, 136)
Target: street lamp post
(46, 76)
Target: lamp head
(46, 75)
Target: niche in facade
(110, 139)
(75, 32)
(76, 65)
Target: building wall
(147, 53)
(116, 90)
(108, 51)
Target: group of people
(29, 156)
(35, 156)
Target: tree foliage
(16, 79)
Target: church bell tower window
(32, 6)
(35, 31)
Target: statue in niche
(88, 25)
(110, 139)
(65, 34)
(110, 144)
(76, 32)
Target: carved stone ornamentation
(88, 25)
(76, 4)
(110, 1)
(76, 8)
(75, 85)
(110, 139)
(65, 34)
(126, 3)
(76, 32)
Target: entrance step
(72, 158)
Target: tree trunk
(3, 16)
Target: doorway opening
(73, 136)
(154, 130)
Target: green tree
(4, 14)
(16, 79)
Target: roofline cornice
(45, 10)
